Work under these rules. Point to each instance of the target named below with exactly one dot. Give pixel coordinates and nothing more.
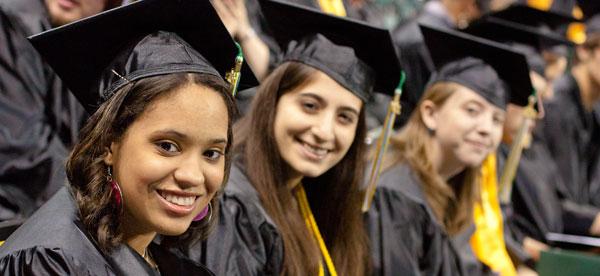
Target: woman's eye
(471, 110)
(213, 154)
(346, 119)
(168, 147)
(309, 106)
(498, 120)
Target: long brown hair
(87, 172)
(334, 196)
(451, 201)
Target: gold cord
(309, 219)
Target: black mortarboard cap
(591, 12)
(139, 40)
(360, 57)
(526, 39)
(589, 7)
(534, 58)
(486, 67)
(505, 31)
(526, 15)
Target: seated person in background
(39, 118)
(570, 129)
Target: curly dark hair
(87, 172)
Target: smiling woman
(315, 124)
(165, 162)
(155, 152)
(421, 220)
(292, 204)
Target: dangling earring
(204, 212)
(115, 188)
(431, 131)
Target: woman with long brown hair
(155, 152)
(292, 203)
(423, 206)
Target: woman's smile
(179, 203)
(312, 152)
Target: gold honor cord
(512, 162)
(335, 7)
(234, 75)
(394, 110)
(309, 219)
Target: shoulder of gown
(245, 241)
(54, 242)
(405, 238)
(51, 242)
(39, 119)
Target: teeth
(315, 150)
(179, 200)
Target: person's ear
(109, 157)
(429, 115)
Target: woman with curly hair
(154, 154)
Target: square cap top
(97, 55)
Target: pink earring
(204, 212)
(116, 189)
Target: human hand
(234, 15)
(534, 247)
(595, 228)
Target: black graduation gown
(595, 174)
(414, 56)
(404, 234)
(39, 118)
(246, 240)
(571, 135)
(54, 242)
(536, 208)
(469, 261)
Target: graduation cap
(589, 8)
(591, 13)
(360, 57)
(100, 54)
(505, 31)
(491, 69)
(526, 15)
(526, 39)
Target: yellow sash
(309, 219)
(335, 7)
(488, 240)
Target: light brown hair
(451, 201)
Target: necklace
(148, 258)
